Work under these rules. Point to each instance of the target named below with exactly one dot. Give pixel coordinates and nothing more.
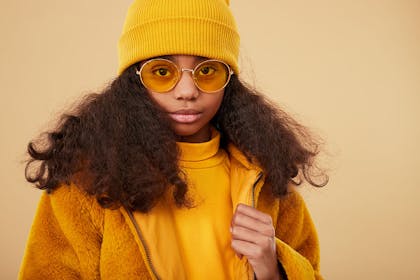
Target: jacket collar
(240, 157)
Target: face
(189, 109)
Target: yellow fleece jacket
(72, 237)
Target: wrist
(275, 276)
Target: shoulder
(69, 203)
(66, 193)
(292, 207)
(292, 201)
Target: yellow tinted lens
(211, 75)
(159, 75)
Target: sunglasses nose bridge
(182, 70)
(188, 70)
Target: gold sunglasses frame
(181, 70)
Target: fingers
(253, 220)
(262, 259)
(253, 213)
(253, 251)
(243, 248)
(251, 236)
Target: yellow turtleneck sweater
(203, 231)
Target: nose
(186, 88)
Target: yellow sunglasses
(161, 75)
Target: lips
(185, 116)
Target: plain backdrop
(349, 69)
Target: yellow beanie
(169, 27)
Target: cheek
(216, 101)
(160, 99)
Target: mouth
(185, 116)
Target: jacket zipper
(143, 242)
(254, 186)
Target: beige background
(350, 69)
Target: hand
(253, 237)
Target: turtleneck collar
(201, 154)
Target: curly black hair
(119, 146)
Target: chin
(184, 130)
(191, 132)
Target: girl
(177, 170)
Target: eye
(206, 70)
(162, 72)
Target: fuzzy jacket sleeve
(297, 240)
(66, 229)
